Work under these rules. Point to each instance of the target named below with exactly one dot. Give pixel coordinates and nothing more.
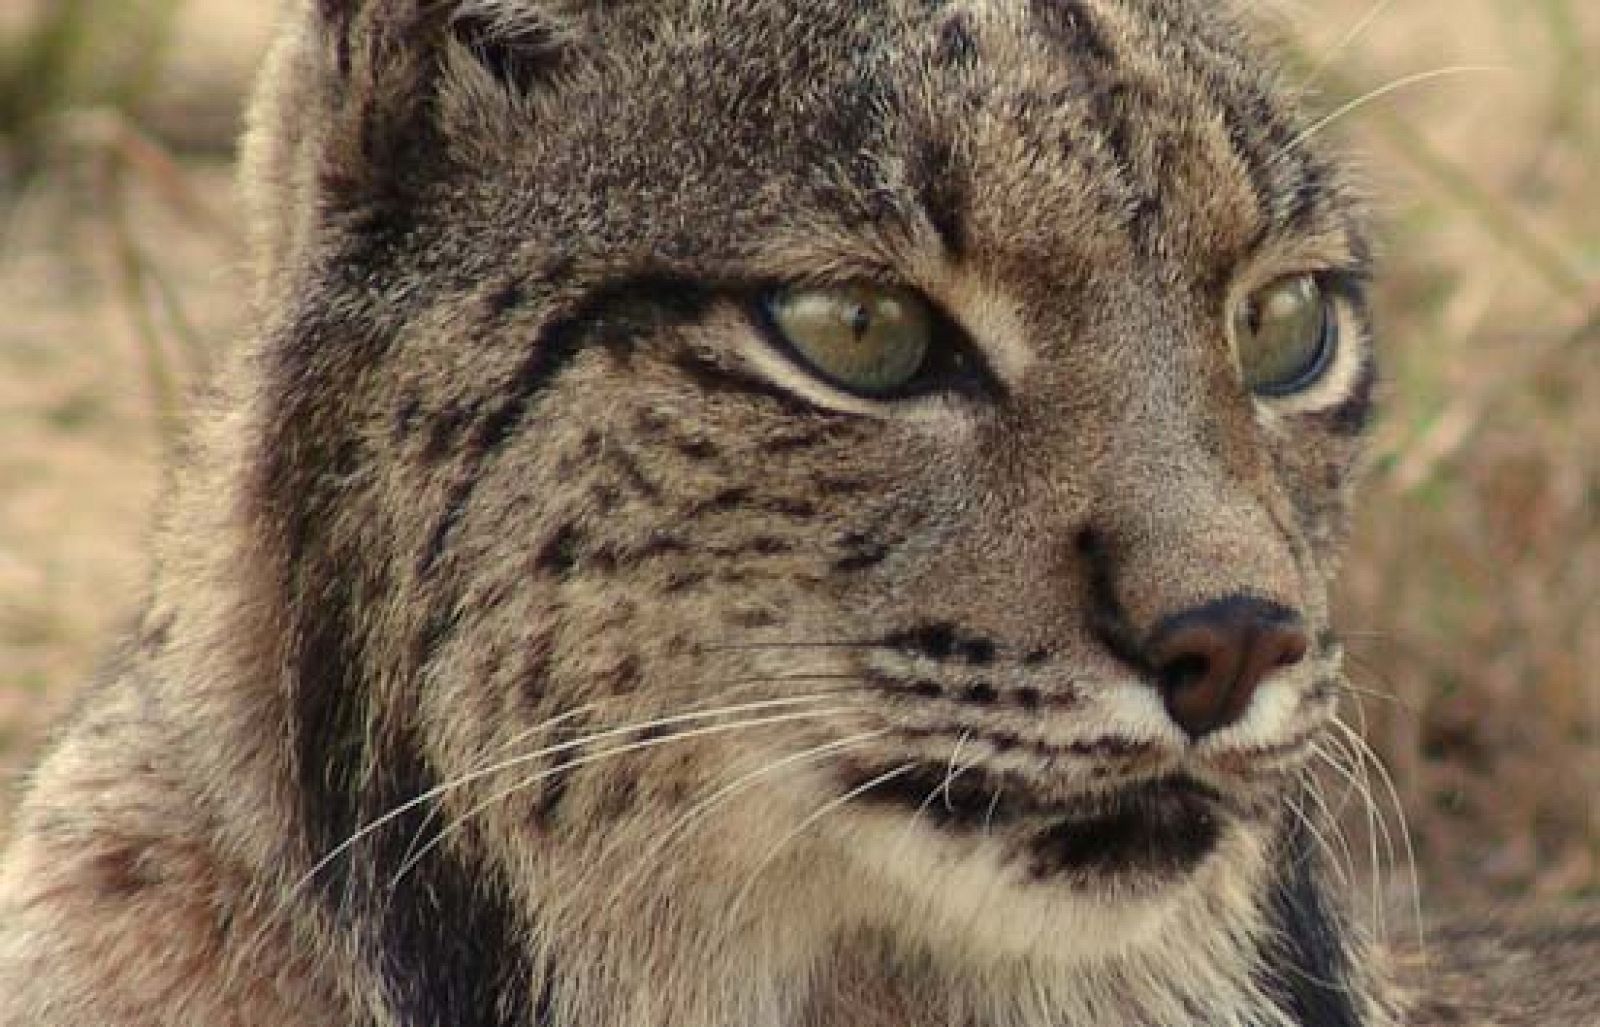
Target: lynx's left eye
(1285, 334)
(867, 338)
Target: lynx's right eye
(1285, 334)
(866, 338)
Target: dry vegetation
(1471, 604)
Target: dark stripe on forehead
(1262, 126)
(1262, 129)
(1068, 25)
(1115, 100)
(942, 189)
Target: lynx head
(850, 466)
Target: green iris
(1285, 334)
(868, 338)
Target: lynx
(741, 513)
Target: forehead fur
(991, 124)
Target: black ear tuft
(524, 54)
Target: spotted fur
(534, 642)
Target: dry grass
(1471, 602)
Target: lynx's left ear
(362, 100)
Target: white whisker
(1377, 828)
(1354, 33)
(707, 805)
(804, 826)
(567, 746)
(1378, 93)
(583, 761)
(1393, 791)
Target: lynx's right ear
(361, 98)
(396, 68)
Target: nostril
(1184, 671)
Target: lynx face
(869, 466)
(960, 396)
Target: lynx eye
(867, 338)
(1285, 334)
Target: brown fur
(1505, 968)
(509, 496)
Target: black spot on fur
(627, 464)
(560, 554)
(977, 651)
(860, 553)
(937, 641)
(156, 633)
(833, 485)
(793, 443)
(438, 628)
(942, 641)
(406, 416)
(800, 509)
(625, 677)
(753, 618)
(956, 47)
(506, 298)
(764, 545)
(725, 500)
(695, 449)
(684, 581)
(982, 694)
(445, 431)
(555, 783)
(443, 528)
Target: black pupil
(859, 319)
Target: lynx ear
(360, 100)
(396, 69)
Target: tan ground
(1472, 606)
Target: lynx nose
(1208, 661)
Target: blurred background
(1471, 602)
